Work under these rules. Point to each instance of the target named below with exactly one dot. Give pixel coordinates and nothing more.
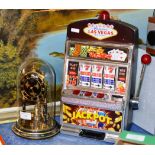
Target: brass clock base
(38, 134)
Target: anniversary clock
(36, 99)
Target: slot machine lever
(146, 60)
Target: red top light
(146, 59)
(104, 15)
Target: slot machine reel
(145, 60)
(36, 99)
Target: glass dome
(36, 98)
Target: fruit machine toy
(99, 77)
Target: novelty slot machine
(99, 77)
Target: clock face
(33, 86)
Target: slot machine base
(107, 137)
(36, 134)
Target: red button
(88, 93)
(99, 95)
(76, 92)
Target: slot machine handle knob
(145, 60)
(104, 15)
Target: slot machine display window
(96, 77)
(106, 53)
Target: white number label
(75, 30)
(135, 137)
(25, 115)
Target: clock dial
(33, 86)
